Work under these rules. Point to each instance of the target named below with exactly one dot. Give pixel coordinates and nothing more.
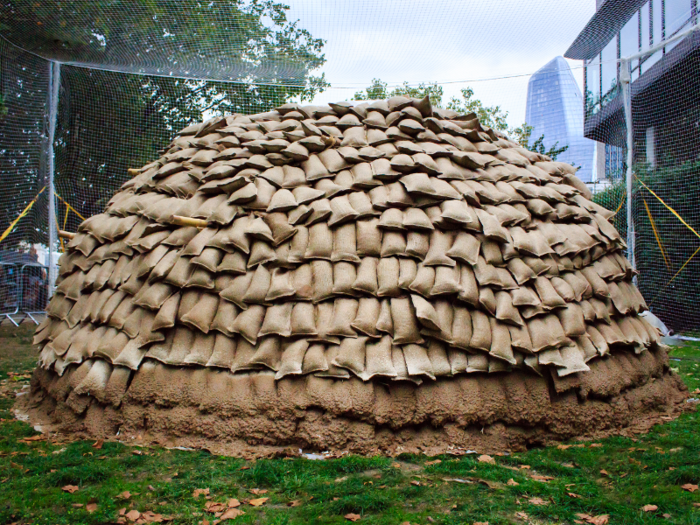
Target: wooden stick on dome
(178, 220)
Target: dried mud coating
(363, 277)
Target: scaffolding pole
(625, 79)
(54, 85)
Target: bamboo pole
(187, 221)
(65, 235)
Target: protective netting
(134, 73)
(664, 96)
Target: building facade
(554, 103)
(665, 85)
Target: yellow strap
(656, 234)
(620, 206)
(24, 212)
(669, 208)
(672, 278)
(69, 206)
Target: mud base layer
(253, 415)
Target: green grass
(647, 470)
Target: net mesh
(133, 74)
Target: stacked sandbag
(385, 241)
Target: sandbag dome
(384, 275)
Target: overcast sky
(457, 42)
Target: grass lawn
(610, 481)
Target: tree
(378, 90)
(110, 121)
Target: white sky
(458, 42)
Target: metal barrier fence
(23, 291)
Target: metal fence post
(54, 85)
(625, 79)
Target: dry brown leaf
(522, 516)
(595, 445)
(294, 503)
(233, 503)
(650, 508)
(666, 515)
(538, 501)
(341, 479)
(689, 487)
(434, 462)
(485, 458)
(70, 489)
(527, 467)
(512, 483)
(124, 495)
(258, 502)
(538, 477)
(258, 492)
(604, 473)
(199, 492)
(91, 507)
(416, 483)
(567, 465)
(563, 447)
(481, 523)
(231, 514)
(352, 517)
(214, 507)
(77, 505)
(573, 495)
(133, 515)
(98, 444)
(396, 465)
(603, 519)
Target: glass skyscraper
(555, 111)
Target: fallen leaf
(133, 515)
(527, 467)
(231, 514)
(352, 517)
(522, 516)
(666, 515)
(233, 503)
(538, 501)
(567, 465)
(98, 444)
(650, 508)
(258, 502)
(595, 445)
(124, 495)
(339, 480)
(214, 507)
(151, 488)
(199, 492)
(690, 487)
(294, 503)
(696, 504)
(603, 519)
(396, 465)
(538, 477)
(416, 483)
(563, 447)
(481, 523)
(258, 492)
(604, 473)
(77, 505)
(434, 462)
(572, 495)
(91, 507)
(70, 489)
(484, 458)
(512, 483)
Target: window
(593, 86)
(657, 32)
(677, 17)
(609, 68)
(629, 37)
(645, 26)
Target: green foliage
(646, 469)
(491, 116)
(378, 90)
(523, 134)
(109, 122)
(674, 301)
